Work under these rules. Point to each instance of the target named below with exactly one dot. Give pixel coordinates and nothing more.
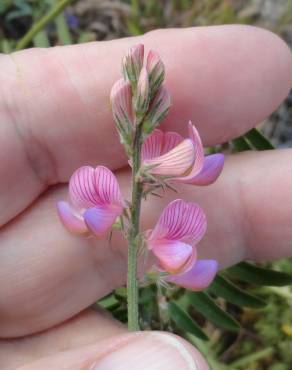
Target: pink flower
(95, 201)
(169, 155)
(179, 228)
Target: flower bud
(157, 111)
(156, 71)
(132, 64)
(142, 94)
(121, 104)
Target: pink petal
(82, 188)
(174, 163)
(101, 218)
(199, 154)
(170, 141)
(121, 101)
(212, 168)
(70, 220)
(153, 145)
(89, 187)
(198, 278)
(180, 220)
(107, 187)
(173, 255)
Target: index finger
(55, 113)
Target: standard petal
(82, 188)
(212, 168)
(100, 219)
(198, 278)
(175, 162)
(180, 220)
(173, 255)
(71, 221)
(170, 141)
(107, 187)
(153, 145)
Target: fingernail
(155, 351)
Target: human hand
(55, 117)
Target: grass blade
(184, 321)
(204, 304)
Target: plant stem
(132, 284)
(39, 25)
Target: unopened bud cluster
(139, 98)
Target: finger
(91, 326)
(55, 113)
(48, 275)
(144, 350)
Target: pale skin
(55, 117)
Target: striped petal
(180, 220)
(199, 154)
(153, 145)
(82, 188)
(107, 187)
(199, 277)
(175, 162)
(170, 141)
(100, 219)
(212, 168)
(173, 255)
(89, 187)
(70, 220)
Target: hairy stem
(132, 283)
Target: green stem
(132, 284)
(38, 26)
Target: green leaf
(256, 275)
(240, 144)
(258, 140)
(184, 321)
(109, 303)
(204, 304)
(224, 288)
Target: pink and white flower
(183, 160)
(173, 242)
(95, 201)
